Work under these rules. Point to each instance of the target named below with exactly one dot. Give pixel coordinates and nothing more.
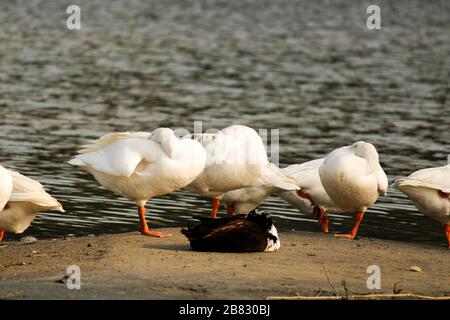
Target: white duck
(244, 200)
(140, 166)
(26, 199)
(6, 186)
(312, 197)
(235, 159)
(353, 179)
(429, 190)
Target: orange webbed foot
(345, 235)
(144, 230)
(354, 231)
(157, 234)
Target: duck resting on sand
(254, 232)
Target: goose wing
(305, 173)
(382, 181)
(110, 138)
(434, 178)
(29, 190)
(272, 176)
(119, 154)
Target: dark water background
(310, 68)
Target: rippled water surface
(309, 68)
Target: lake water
(309, 68)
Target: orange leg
(2, 233)
(324, 223)
(215, 207)
(230, 210)
(319, 214)
(144, 227)
(354, 231)
(447, 233)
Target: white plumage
(6, 186)
(307, 177)
(27, 198)
(236, 158)
(272, 180)
(353, 179)
(312, 198)
(140, 166)
(429, 190)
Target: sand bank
(131, 266)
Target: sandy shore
(132, 266)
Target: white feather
(272, 176)
(307, 177)
(29, 190)
(6, 186)
(271, 180)
(352, 177)
(272, 245)
(28, 198)
(140, 166)
(422, 188)
(235, 158)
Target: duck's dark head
(260, 217)
(263, 219)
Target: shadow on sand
(168, 246)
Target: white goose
(429, 190)
(26, 199)
(312, 197)
(6, 186)
(235, 159)
(272, 180)
(140, 166)
(353, 179)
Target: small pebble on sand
(415, 269)
(28, 239)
